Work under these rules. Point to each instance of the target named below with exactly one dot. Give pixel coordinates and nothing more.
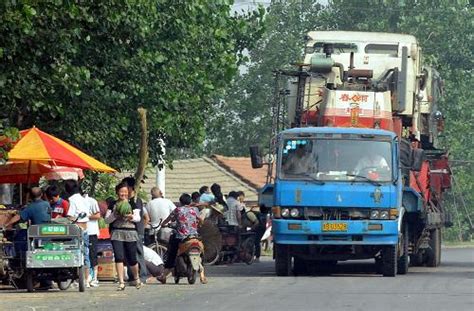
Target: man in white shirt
(153, 261)
(298, 162)
(93, 232)
(77, 205)
(159, 208)
(232, 215)
(370, 161)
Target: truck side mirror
(256, 157)
(418, 158)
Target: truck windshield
(357, 160)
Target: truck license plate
(334, 226)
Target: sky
(245, 5)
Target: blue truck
(357, 172)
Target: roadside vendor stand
(37, 154)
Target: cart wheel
(29, 282)
(82, 281)
(247, 251)
(211, 257)
(161, 250)
(64, 285)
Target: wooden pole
(143, 151)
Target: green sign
(53, 230)
(51, 257)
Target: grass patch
(453, 244)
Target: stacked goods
(105, 254)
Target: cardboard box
(106, 271)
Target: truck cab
(336, 196)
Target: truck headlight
(374, 214)
(384, 215)
(294, 212)
(285, 212)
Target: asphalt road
(351, 286)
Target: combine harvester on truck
(359, 172)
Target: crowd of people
(130, 231)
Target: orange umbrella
(31, 171)
(36, 145)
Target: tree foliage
(80, 69)
(243, 116)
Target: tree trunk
(94, 181)
(143, 153)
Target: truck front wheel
(389, 260)
(299, 266)
(282, 260)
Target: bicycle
(159, 243)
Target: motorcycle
(189, 260)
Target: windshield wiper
(373, 182)
(314, 179)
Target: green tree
(244, 116)
(80, 69)
(8, 136)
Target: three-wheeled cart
(56, 253)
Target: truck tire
(406, 159)
(282, 260)
(389, 260)
(434, 253)
(299, 266)
(402, 264)
(378, 265)
(416, 260)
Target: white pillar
(160, 173)
(160, 179)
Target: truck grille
(314, 213)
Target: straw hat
(218, 208)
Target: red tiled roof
(242, 168)
(189, 175)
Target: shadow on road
(267, 269)
(363, 268)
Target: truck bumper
(358, 232)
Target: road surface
(351, 286)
